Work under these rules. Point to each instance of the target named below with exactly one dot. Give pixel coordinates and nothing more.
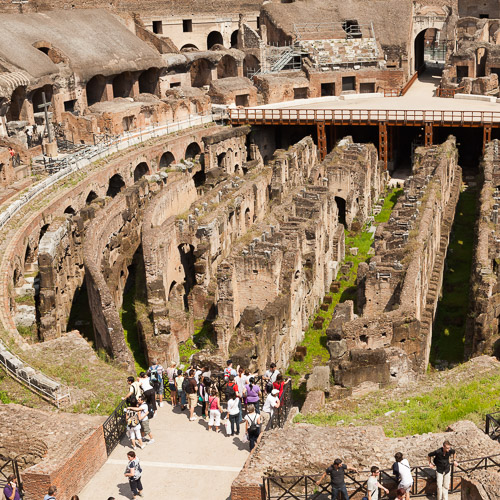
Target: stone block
(324, 307)
(319, 379)
(300, 353)
(335, 286)
(45, 384)
(25, 316)
(328, 299)
(314, 402)
(13, 363)
(26, 373)
(353, 250)
(337, 348)
(318, 323)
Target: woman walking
(252, 425)
(214, 409)
(233, 411)
(253, 395)
(171, 373)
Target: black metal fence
(7, 469)
(492, 427)
(424, 482)
(115, 427)
(280, 414)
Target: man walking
(134, 472)
(191, 388)
(337, 478)
(443, 468)
(373, 484)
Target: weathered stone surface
(481, 485)
(25, 316)
(315, 401)
(319, 379)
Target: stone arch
(248, 218)
(481, 55)
(234, 39)
(186, 252)
(171, 289)
(53, 53)
(251, 64)
(227, 67)
(192, 150)
(419, 44)
(37, 99)
(166, 159)
(122, 84)
(148, 81)
(70, 210)
(221, 160)
(141, 170)
(95, 89)
(341, 206)
(201, 73)
(214, 38)
(17, 100)
(189, 47)
(91, 197)
(116, 184)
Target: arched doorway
(95, 89)
(234, 39)
(214, 38)
(122, 85)
(341, 208)
(188, 259)
(91, 197)
(192, 150)
(37, 99)
(116, 184)
(227, 67)
(17, 100)
(148, 81)
(70, 210)
(189, 47)
(221, 160)
(201, 73)
(481, 62)
(250, 65)
(140, 171)
(166, 159)
(429, 47)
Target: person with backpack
(133, 392)
(253, 395)
(145, 414)
(190, 387)
(147, 390)
(233, 412)
(214, 410)
(231, 390)
(402, 471)
(229, 370)
(171, 374)
(133, 472)
(252, 425)
(155, 373)
(181, 395)
(134, 429)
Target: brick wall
(71, 475)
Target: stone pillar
(108, 91)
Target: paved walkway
(186, 462)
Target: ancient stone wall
(483, 323)
(398, 290)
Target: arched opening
(91, 197)
(116, 184)
(54, 54)
(37, 99)
(166, 159)
(192, 150)
(140, 171)
(122, 85)
(148, 81)
(95, 89)
(429, 48)
(69, 210)
(186, 252)
(201, 73)
(250, 65)
(419, 51)
(171, 290)
(16, 104)
(248, 218)
(221, 160)
(214, 38)
(341, 208)
(43, 230)
(227, 67)
(234, 39)
(189, 47)
(480, 62)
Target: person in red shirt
(279, 384)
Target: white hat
(275, 391)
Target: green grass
(315, 340)
(430, 412)
(203, 338)
(448, 335)
(27, 300)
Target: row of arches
(213, 38)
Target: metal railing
(114, 427)
(424, 479)
(8, 468)
(492, 426)
(363, 116)
(440, 92)
(280, 414)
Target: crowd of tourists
(441, 460)
(237, 404)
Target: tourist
(373, 484)
(155, 373)
(280, 384)
(134, 429)
(206, 373)
(11, 491)
(181, 395)
(272, 401)
(147, 390)
(197, 374)
(214, 409)
(171, 373)
(143, 411)
(240, 382)
(443, 468)
(29, 136)
(270, 377)
(233, 412)
(51, 494)
(203, 393)
(253, 394)
(402, 471)
(229, 370)
(191, 388)
(133, 393)
(337, 478)
(401, 493)
(252, 425)
(133, 472)
(75, 497)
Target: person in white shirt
(147, 389)
(233, 412)
(272, 401)
(373, 485)
(143, 411)
(270, 377)
(402, 471)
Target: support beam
(429, 133)
(486, 135)
(382, 143)
(322, 147)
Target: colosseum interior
(314, 185)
